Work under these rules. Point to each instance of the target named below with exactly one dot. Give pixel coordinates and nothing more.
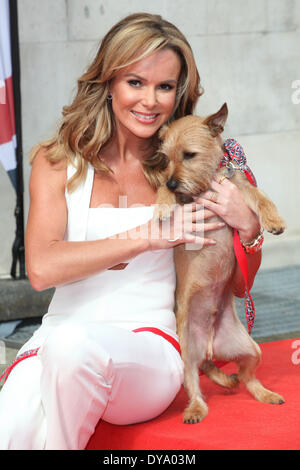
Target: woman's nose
(150, 98)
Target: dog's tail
(218, 376)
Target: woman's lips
(145, 118)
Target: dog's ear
(162, 131)
(216, 122)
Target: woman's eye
(137, 83)
(134, 83)
(166, 86)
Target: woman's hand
(228, 203)
(188, 224)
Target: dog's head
(193, 148)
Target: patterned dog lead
(235, 160)
(234, 154)
(21, 357)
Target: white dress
(89, 363)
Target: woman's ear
(216, 122)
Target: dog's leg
(248, 365)
(232, 342)
(268, 215)
(218, 376)
(194, 328)
(164, 204)
(197, 409)
(266, 210)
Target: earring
(109, 97)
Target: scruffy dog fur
(207, 324)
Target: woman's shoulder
(47, 173)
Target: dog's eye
(188, 155)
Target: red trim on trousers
(33, 352)
(156, 331)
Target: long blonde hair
(88, 123)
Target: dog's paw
(262, 394)
(162, 212)
(277, 230)
(276, 226)
(195, 413)
(272, 398)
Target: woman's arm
(50, 260)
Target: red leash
(235, 160)
(242, 262)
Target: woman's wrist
(252, 236)
(250, 232)
(254, 245)
(247, 236)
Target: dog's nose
(172, 184)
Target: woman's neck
(124, 149)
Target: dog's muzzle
(172, 184)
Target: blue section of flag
(13, 177)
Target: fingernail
(221, 224)
(212, 242)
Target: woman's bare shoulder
(51, 176)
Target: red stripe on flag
(2, 92)
(7, 115)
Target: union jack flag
(8, 140)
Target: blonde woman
(107, 347)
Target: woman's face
(143, 94)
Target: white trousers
(83, 373)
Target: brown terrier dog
(207, 324)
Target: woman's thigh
(147, 375)
(143, 371)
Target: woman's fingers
(189, 223)
(204, 214)
(201, 225)
(207, 227)
(220, 183)
(196, 211)
(201, 241)
(210, 205)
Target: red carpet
(235, 420)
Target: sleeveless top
(140, 295)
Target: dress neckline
(138, 206)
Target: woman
(87, 361)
